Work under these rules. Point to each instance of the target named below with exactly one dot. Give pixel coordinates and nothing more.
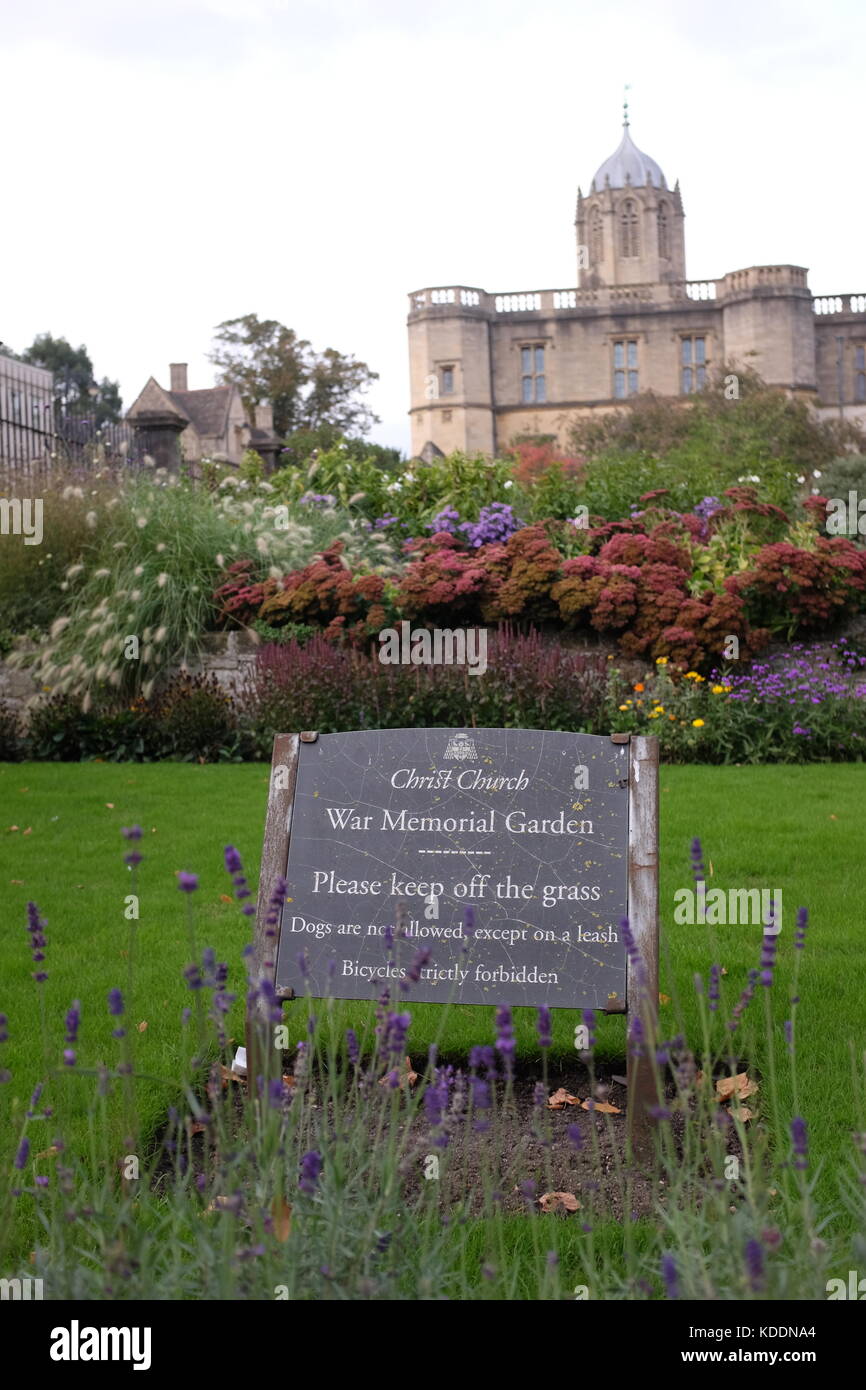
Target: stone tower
(630, 226)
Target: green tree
(76, 390)
(307, 389)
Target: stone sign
(492, 864)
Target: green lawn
(800, 829)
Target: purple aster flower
(311, 1168)
(669, 1276)
(187, 883)
(544, 1038)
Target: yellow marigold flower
(661, 661)
(692, 676)
(673, 717)
(623, 706)
(660, 710)
(697, 723)
(717, 689)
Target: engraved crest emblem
(462, 748)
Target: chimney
(178, 376)
(264, 417)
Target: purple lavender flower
(588, 1017)
(396, 1028)
(352, 1048)
(68, 1057)
(73, 1018)
(311, 1168)
(768, 960)
(789, 1036)
(698, 869)
(115, 1003)
(187, 883)
(636, 1036)
(800, 1143)
(802, 923)
(544, 1037)
(505, 1040)
(755, 1265)
(575, 1138)
(35, 928)
(4, 1028)
(669, 1276)
(482, 1055)
(421, 959)
(34, 1100)
(22, 1154)
(131, 832)
(715, 976)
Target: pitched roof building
(211, 423)
(486, 367)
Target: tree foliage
(307, 389)
(76, 389)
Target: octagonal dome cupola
(629, 167)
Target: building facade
(177, 424)
(485, 368)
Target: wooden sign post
(551, 839)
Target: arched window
(628, 228)
(596, 237)
(664, 232)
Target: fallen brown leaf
(17, 881)
(664, 998)
(196, 1127)
(282, 1216)
(28, 831)
(561, 1098)
(739, 1086)
(49, 1153)
(409, 1076)
(225, 898)
(742, 1112)
(142, 1027)
(601, 1105)
(552, 1201)
(110, 805)
(228, 1075)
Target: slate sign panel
(528, 828)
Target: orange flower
(639, 687)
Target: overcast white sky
(167, 164)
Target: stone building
(177, 423)
(486, 367)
